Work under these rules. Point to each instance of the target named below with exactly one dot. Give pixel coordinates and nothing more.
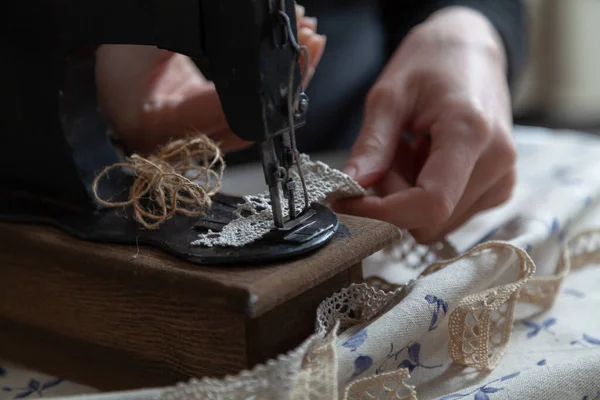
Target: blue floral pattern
(483, 392)
(440, 307)
(564, 175)
(555, 227)
(361, 364)
(574, 293)
(356, 341)
(536, 328)
(33, 387)
(586, 341)
(406, 357)
(591, 340)
(592, 397)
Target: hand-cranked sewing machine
(54, 139)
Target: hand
(446, 84)
(150, 95)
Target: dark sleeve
(507, 16)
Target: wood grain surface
(251, 290)
(152, 319)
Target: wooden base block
(114, 318)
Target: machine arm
(248, 48)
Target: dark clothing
(361, 36)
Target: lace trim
(353, 305)
(584, 249)
(479, 333)
(410, 254)
(543, 291)
(254, 217)
(481, 324)
(389, 385)
(318, 376)
(256, 383)
(379, 283)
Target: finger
(456, 146)
(316, 46)
(314, 43)
(400, 175)
(395, 180)
(495, 196)
(394, 208)
(494, 165)
(373, 152)
(300, 12)
(308, 22)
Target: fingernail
(311, 22)
(305, 34)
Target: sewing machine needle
(276, 206)
(271, 169)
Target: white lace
(254, 217)
(253, 384)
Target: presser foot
(307, 233)
(311, 230)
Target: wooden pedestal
(115, 317)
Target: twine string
(180, 178)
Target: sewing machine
(55, 139)
(128, 314)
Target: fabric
(507, 308)
(507, 16)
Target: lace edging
(479, 333)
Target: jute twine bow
(180, 178)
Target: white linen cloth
(527, 272)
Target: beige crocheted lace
(480, 328)
(254, 217)
(390, 385)
(480, 325)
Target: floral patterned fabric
(552, 346)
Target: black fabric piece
(507, 16)
(361, 34)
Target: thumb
(373, 152)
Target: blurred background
(560, 87)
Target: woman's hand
(151, 95)
(447, 86)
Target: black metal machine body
(55, 140)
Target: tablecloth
(550, 348)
